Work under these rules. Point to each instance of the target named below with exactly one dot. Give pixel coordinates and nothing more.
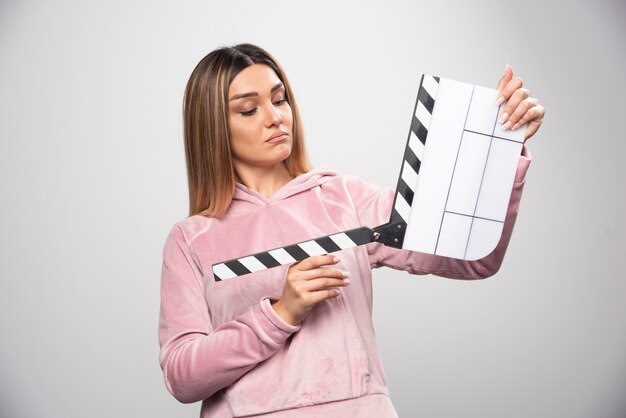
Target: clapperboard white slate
(453, 190)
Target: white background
(92, 178)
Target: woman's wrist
(283, 313)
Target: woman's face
(260, 119)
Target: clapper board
(453, 190)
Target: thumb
(506, 77)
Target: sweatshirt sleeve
(373, 207)
(197, 360)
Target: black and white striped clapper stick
(391, 233)
(292, 253)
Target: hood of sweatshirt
(244, 196)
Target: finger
(512, 104)
(526, 113)
(316, 261)
(535, 120)
(508, 89)
(518, 112)
(325, 283)
(506, 77)
(324, 272)
(531, 129)
(317, 297)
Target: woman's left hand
(520, 107)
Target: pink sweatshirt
(223, 344)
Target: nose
(273, 117)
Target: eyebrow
(243, 95)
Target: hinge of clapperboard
(390, 234)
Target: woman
(293, 340)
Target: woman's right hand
(308, 283)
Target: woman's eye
(248, 112)
(280, 101)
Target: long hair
(210, 172)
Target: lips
(278, 136)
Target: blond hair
(210, 172)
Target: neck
(265, 180)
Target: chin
(284, 154)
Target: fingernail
(500, 100)
(506, 67)
(506, 126)
(336, 259)
(346, 281)
(504, 117)
(345, 273)
(515, 126)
